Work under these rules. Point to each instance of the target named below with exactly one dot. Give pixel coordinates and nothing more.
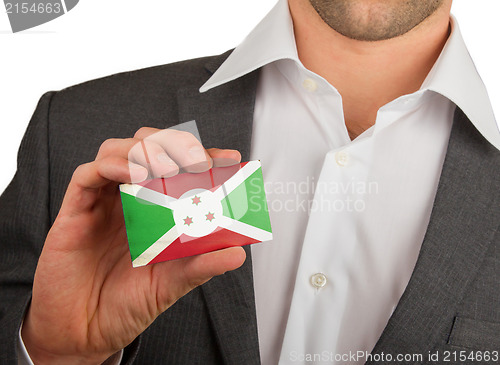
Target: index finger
(187, 151)
(182, 147)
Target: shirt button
(318, 280)
(342, 158)
(310, 85)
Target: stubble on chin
(368, 20)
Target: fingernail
(138, 173)
(197, 154)
(224, 162)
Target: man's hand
(88, 302)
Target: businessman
(399, 256)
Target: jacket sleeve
(24, 223)
(25, 220)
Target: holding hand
(88, 302)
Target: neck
(368, 75)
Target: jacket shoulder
(119, 104)
(146, 82)
(79, 118)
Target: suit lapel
(464, 219)
(461, 227)
(224, 117)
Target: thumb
(194, 271)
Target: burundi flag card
(190, 214)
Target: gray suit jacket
(451, 303)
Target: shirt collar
(271, 40)
(453, 75)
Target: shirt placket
(330, 239)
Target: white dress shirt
(348, 217)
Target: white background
(98, 38)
